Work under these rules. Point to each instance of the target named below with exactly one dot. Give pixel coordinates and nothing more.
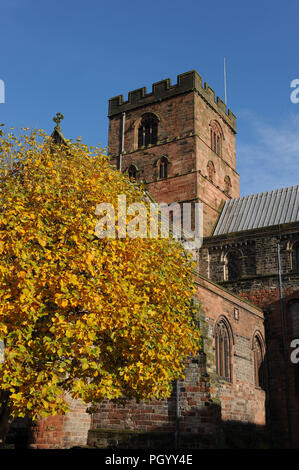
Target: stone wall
(61, 431)
(184, 112)
(259, 284)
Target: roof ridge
(264, 192)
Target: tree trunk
(5, 417)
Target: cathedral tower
(180, 141)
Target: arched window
(148, 130)
(233, 265)
(211, 170)
(227, 185)
(259, 378)
(223, 350)
(132, 172)
(163, 168)
(216, 137)
(295, 253)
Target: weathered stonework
(259, 284)
(185, 112)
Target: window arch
(223, 349)
(258, 358)
(132, 172)
(163, 168)
(295, 256)
(211, 170)
(233, 265)
(148, 130)
(216, 137)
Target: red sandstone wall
(269, 299)
(60, 432)
(240, 399)
(184, 137)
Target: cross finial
(58, 118)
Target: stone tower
(180, 141)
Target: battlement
(186, 82)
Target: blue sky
(72, 56)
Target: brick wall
(62, 431)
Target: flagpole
(225, 91)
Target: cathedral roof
(266, 209)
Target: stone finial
(58, 118)
(57, 135)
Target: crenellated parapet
(186, 82)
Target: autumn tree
(97, 318)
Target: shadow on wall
(229, 435)
(203, 428)
(283, 375)
(198, 428)
(225, 435)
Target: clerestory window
(296, 257)
(132, 172)
(234, 271)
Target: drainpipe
(268, 385)
(122, 141)
(177, 415)
(285, 348)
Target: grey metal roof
(259, 210)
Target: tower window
(223, 350)
(259, 378)
(148, 130)
(163, 168)
(216, 138)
